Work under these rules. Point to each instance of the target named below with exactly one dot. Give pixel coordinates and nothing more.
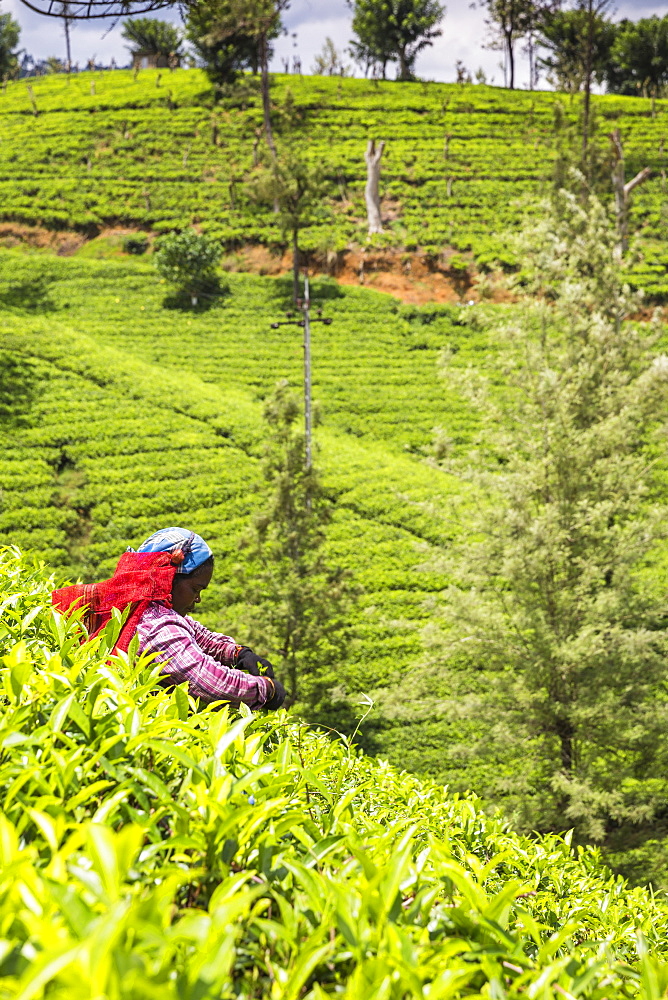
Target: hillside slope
(148, 415)
(149, 849)
(463, 164)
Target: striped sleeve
(171, 636)
(222, 647)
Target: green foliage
(297, 603)
(149, 36)
(224, 54)
(10, 31)
(639, 57)
(565, 34)
(148, 849)
(561, 634)
(188, 260)
(395, 30)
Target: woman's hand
(255, 665)
(277, 698)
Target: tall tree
(513, 20)
(594, 11)
(297, 601)
(563, 637)
(223, 58)
(257, 21)
(395, 30)
(639, 57)
(577, 45)
(579, 42)
(10, 32)
(149, 36)
(65, 14)
(295, 187)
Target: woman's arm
(173, 638)
(221, 647)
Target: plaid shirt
(202, 658)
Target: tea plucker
(160, 584)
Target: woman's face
(186, 590)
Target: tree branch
(640, 178)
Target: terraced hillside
(462, 166)
(148, 415)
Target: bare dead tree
(373, 157)
(623, 188)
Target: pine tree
(297, 602)
(554, 643)
(244, 25)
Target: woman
(161, 583)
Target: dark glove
(255, 665)
(277, 698)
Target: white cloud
(463, 37)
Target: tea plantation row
(463, 163)
(150, 849)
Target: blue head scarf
(194, 548)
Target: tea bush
(151, 848)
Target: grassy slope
(107, 149)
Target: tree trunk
(589, 55)
(404, 72)
(266, 108)
(295, 265)
(511, 59)
(373, 157)
(623, 190)
(564, 731)
(67, 37)
(532, 61)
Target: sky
(308, 24)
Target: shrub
(136, 244)
(188, 260)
